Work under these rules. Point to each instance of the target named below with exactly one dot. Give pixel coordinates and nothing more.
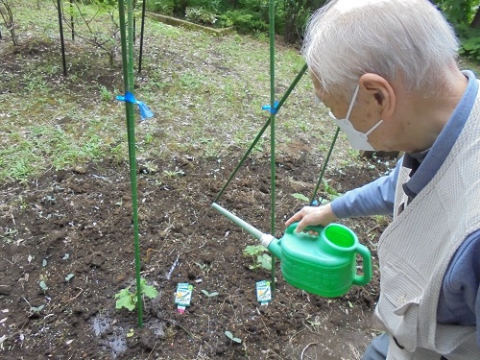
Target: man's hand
(311, 216)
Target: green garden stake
(323, 264)
(127, 61)
(325, 163)
(272, 129)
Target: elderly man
(387, 71)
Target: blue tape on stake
(145, 112)
(269, 108)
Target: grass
(206, 93)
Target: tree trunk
(292, 9)
(476, 20)
(7, 15)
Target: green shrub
(164, 7)
(213, 6)
(247, 16)
(200, 15)
(243, 21)
(470, 42)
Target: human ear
(381, 92)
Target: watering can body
(323, 264)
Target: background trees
(251, 16)
(465, 16)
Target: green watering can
(323, 264)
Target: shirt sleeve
(459, 301)
(375, 198)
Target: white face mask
(357, 139)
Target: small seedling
(173, 173)
(333, 194)
(265, 261)
(260, 259)
(231, 337)
(204, 267)
(36, 309)
(43, 285)
(210, 295)
(127, 299)
(69, 277)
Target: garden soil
(67, 248)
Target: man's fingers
(305, 221)
(297, 217)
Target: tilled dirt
(73, 231)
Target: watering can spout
(268, 241)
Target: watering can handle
(291, 228)
(367, 266)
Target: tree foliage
(458, 12)
(465, 17)
(99, 28)
(291, 16)
(247, 16)
(297, 13)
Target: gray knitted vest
(415, 251)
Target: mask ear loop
(374, 127)
(354, 98)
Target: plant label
(183, 296)
(264, 292)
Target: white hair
(408, 38)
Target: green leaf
(266, 261)
(43, 285)
(125, 299)
(69, 277)
(301, 197)
(252, 250)
(231, 337)
(148, 290)
(37, 309)
(122, 293)
(205, 292)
